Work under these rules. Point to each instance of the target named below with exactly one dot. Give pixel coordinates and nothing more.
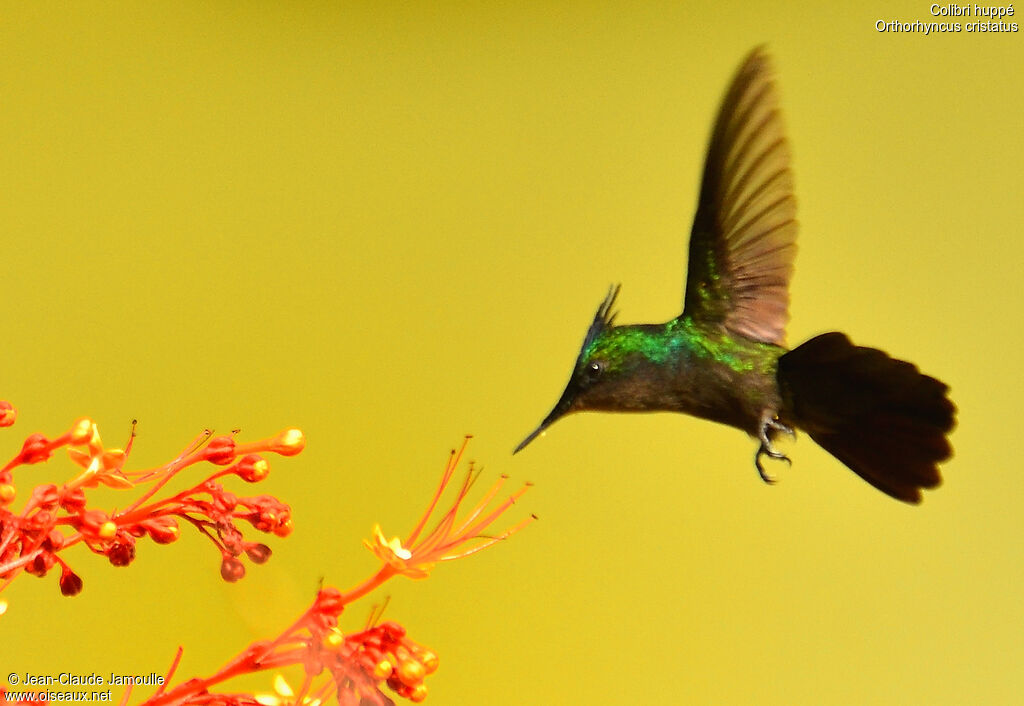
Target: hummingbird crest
(604, 320)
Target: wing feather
(743, 240)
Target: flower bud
(333, 639)
(231, 569)
(70, 583)
(163, 530)
(392, 630)
(107, 530)
(73, 501)
(92, 521)
(121, 553)
(82, 432)
(429, 660)
(35, 449)
(329, 602)
(284, 528)
(382, 670)
(221, 450)
(418, 693)
(258, 553)
(46, 495)
(225, 501)
(8, 414)
(41, 564)
(252, 468)
(403, 690)
(289, 442)
(54, 540)
(40, 519)
(411, 672)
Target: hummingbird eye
(595, 369)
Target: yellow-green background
(389, 225)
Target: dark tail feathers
(880, 416)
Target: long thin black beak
(533, 435)
(557, 413)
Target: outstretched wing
(744, 234)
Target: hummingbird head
(608, 372)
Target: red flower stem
(251, 447)
(51, 446)
(172, 470)
(158, 509)
(33, 553)
(134, 513)
(201, 526)
(322, 694)
(196, 444)
(245, 663)
(8, 538)
(28, 553)
(174, 667)
(167, 506)
(31, 505)
(306, 684)
(17, 564)
(368, 585)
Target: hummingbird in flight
(724, 358)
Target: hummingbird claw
(765, 476)
(767, 449)
(770, 453)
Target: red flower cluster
(56, 517)
(351, 668)
(354, 668)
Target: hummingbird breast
(720, 392)
(713, 375)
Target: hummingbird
(724, 359)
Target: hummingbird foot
(770, 424)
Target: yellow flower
(101, 466)
(396, 556)
(284, 696)
(450, 539)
